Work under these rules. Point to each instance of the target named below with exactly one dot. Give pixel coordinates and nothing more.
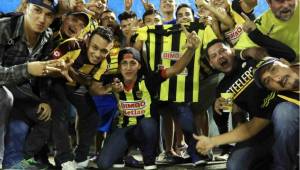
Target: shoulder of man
(264, 19)
(6, 26)
(67, 46)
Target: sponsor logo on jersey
(133, 108)
(171, 55)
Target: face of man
(127, 25)
(279, 77)
(108, 19)
(98, 9)
(184, 15)
(220, 3)
(153, 19)
(129, 68)
(221, 57)
(72, 25)
(38, 18)
(283, 9)
(98, 49)
(167, 6)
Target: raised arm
(222, 16)
(274, 48)
(193, 42)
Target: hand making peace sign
(193, 41)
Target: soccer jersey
(76, 50)
(92, 25)
(135, 103)
(163, 47)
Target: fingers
(45, 112)
(52, 69)
(67, 76)
(184, 30)
(196, 137)
(193, 41)
(245, 16)
(116, 80)
(39, 109)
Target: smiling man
(184, 14)
(89, 64)
(167, 8)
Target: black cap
(259, 68)
(129, 50)
(52, 7)
(83, 14)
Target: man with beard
(281, 22)
(255, 140)
(278, 75)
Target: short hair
(106, 11)
(183, 5)
(104, 32)
(126, 15)
(150, 12)
(213, 42)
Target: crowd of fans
(74, 75)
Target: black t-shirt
(247, 95)
(284, 96)
(236, 6)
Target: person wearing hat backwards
(134, 89)
(277, 75)
(256, 140)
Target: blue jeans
(282, 144)
(144, 135)
(6, 104)
(14, 143)
(285, 119)
(183, 113)
(18, 143)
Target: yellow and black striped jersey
(92, 25)
(76, 50)
(163, 47)
(112, 60)
(134, 103)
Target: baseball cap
(260, 67)
(83, 14)
(53, 6)
(129, 50)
